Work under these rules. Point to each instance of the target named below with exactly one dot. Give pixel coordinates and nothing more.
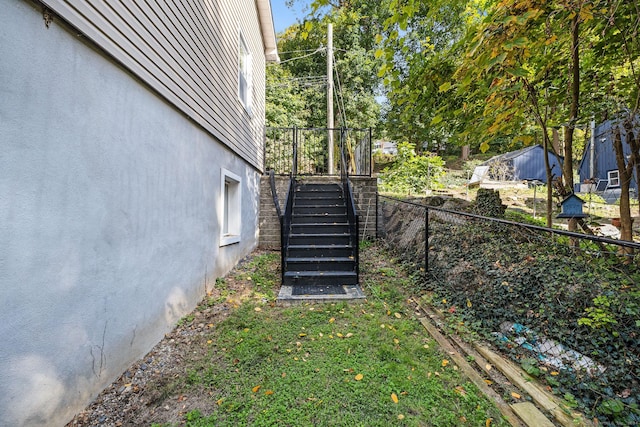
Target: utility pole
(330, 97)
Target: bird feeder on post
(572, 207)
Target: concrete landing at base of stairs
(351, 293)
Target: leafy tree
(303, 48)
(411, 173)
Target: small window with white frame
(231, 202)
(614, 178)
(244, 74)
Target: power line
(320, 49)
(340, 96)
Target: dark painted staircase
(321, 247)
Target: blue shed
(599, 159)
(526, 164)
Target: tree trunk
(466, 149)
(625, 179)
(547, 166)
(567, 166)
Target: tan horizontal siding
(187, 50)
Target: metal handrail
(274, 194)
(285, 225)
(600, 239)
(347, 192)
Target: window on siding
(244, 74)
(614, 178)
(231, 208)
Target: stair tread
(321, 259)
(319, 246)
(317, 214)
(301, 235)
(323, 224)
(320, 273)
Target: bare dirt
(146, 393)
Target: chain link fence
(565, 306)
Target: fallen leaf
(469, 303)
(394, 397)
(515, 395)
(349, 335)
(219, 401)
(257, 309)
(209, 341)
(339, 335)
(268, 392)
(554, 373)
(488, 422)
(284, 374)
(302, 335)
(445, 362)
(463, 419)
(256, 388)
(489, 382)
(359, 377)
(400, 417)
(461, 390)
(488, 367)
(333, 319)
(398, 315)
(396, 341)
(425, 346)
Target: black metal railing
(285, 225)
(352, 214)
(305, 151)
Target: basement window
(614, 178)
(230, 192)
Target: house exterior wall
(110, 211)
(604, 154)
(187, 51)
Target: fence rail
(304, 151)
(565, 305)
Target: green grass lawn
(334, 364)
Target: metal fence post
(426, 241)
(294, 169)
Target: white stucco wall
(109, 218)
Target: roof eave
(268, 30)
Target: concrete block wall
(269, 222)
(365, 193)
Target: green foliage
(489, 203)
(586, 300)
(296, 89)
(411, 173)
